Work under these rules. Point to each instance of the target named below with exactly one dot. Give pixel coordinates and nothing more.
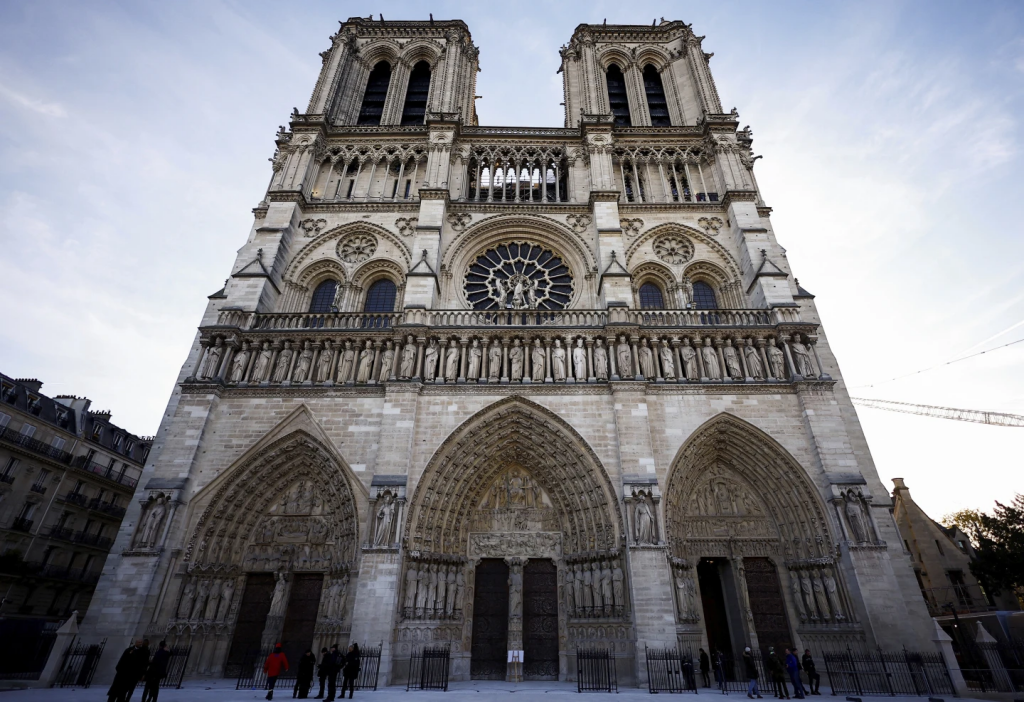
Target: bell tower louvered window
(656, 102)
(415, 108)
(376, 94)
(617, 99)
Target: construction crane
(999, 419)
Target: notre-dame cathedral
(510, 389)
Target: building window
(651, 297)
(381, 297)
(704, 297)
(939, 546)
(57, 443)
(415, 108)
(618, 101)
(12, 463)
(27, 430)
(323, 297)
(376, 93)
(4, 419)
(656, 103)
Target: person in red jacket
(272, 667)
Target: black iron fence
(595, 670)
(369, 667)
(25, 646)
(252, 676)
(997, 666)
(79, 664)
(176, 666)
(670, 670)
(887, 673)
(428, 669)
(731, 673)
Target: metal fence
(731, 673)
(24, 648)
(369, 666)
(887, 673)
(993, 667)
(79, 664)
(595, 671)
(428, 669)
(251, 675)
(669, 670)
(176, 666)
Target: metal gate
(251, 675)
(490, 621)
(668, 670)
(428, 669)
(369, 667)
(887, 673)
(540, 620)
(595, 671)
(79, 664)
(176, 666)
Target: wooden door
(540, 620)
(490, 621)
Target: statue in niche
(515, 360)
(227, 591)
(475, 356)
(451, 579)
(431, 600)
(239, 364)
(732, 360)
(558, 366)
(348, 362)
(600, 361)
(277, 602)
(423, 582)
(801, 358)
(442, 590)
(855, 518)
(689, 356)
(607, 593)
(820, 596)
(494, 361)
(185, 606)
(202, 593)
(687, 288)
(710, 358)
(212, 361)
(303, 365)
(537, 358)
(668, 366)
(646, 360)
(595, 583)
(798, 598)
(776, 360)
(754, 364)
(323, 364)
(832, 591)
(685, 595)
(624, 358)
(284, 362)
(451, 362)
(460, 584)
(365, 363)
(430, 362)
(408, 368)
(588, 590)
(411, 581)
(214, 601)
(387, 362)
(808, 592)
(643, 519)
(579, 361)
(152, 520)
(261, 371)
(570, 592)
(577, 589)
(385, 518)
(618, 584)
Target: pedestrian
(272, 667)
(691, 681)
(334, 665)
(351, 671)
(719, 673)
(793, 668)
(130, 667)
(775, 670)
(304, 678)
(751, 671)
(813, 678)
(705, 666)
(156, 672)
(321, 670)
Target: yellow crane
(999, 419)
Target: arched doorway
(514, 507)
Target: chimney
(33, 385)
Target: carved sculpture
(808, 592)
(515, 590)
(494, 361)
(451, 578)
(387, 362)
(577, 588)
(348, 362)
(187, 596)
(284, 363)
(689, 356)
(302, 366)
(365, 363)
(646, 360)
(798, 598)
(644, 520)
(323, 364)
(212, 360)
(801, 358)
(451, 362)
(239, 363)
(385, 518)
(227, 591)
(607, 593)
(579, 361)
(618, 584)
(855, 517)
(475, 356)
(411, 581)
(600, 361)
(537, 358)
(210, 613)
(430, 362)
(710, 358)
(261, 371)
(515, 360)
(624, 358)
(687, 290)
(753, 358)
(199, 605)
(831, 590)
(149, 525)
(594, 583)
(558, 369)
(819, 595)
(408, 369)
(673, 248)
(668, 366)
(776, 360)
(277, 602)
(732, 360)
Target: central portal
(490, 621)
(540, 620)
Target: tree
(1000, 547)
(968, 521)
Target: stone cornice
(639, 208)
(386, 206)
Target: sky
(134, 139)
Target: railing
(58, 531)
(731, 673)
(38, 487)
(668, 670)
(595, 671)
(74, 498)
(79, 664)
(108, 472)
(963, 598)
(428, 669)
(21, 524)
(996, 666)
(98, 505)
(176, 666)
(34, 445)
(888, 673)
(369, 667)
(24, 648)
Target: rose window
(357, 248)
(518, 275)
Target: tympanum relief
(515, 502)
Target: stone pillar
(945, 646)
(987, 643)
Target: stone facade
(568, 367)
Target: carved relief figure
(808, 592)
(149, 530)
(239, 364)
(689, 356)
(600, 361)
(577, 588)
(595, 583)
(515, 360)
(606, 587)
(855, 518)
(579, 361)
(776, 360)
(515, 590)
(431, 601)
(801, 358)
(460, 584)
(798, 598)
(644, 520)
(277, 602)
(618, 584)
(754, 364)
(558, 368)
(227, 591)
(262, 369)
(385, 518)
(685, 595)
(348, 362)
(819, 595)
(668, 366)
(365, 363)
(451, 578)
(588, 590)
(732, 360)
(213, 602)
(646, 360)
(284, 363)
(537, 358)
(430, 362)
(212, 361)
(323, 364)
(408, 369)
(570, 593)
(387, 362)
(687, 289)
(302, 365)
(442, 589)
(185, 606)
(202, 593)
(624, 358)
(831, 590)
(411, 579)
(710, 358)
(475, 355)
(494, 361)
(451, 362)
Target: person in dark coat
(304, 677)
(321, 671)
(129, 670)
(793, 668)
(156, 672)
(813, 678)
(333, 668)
(775, 669)
(351, 671)
(750, 669)
(705, 666)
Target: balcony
(6, 479)
(74, 498)
(63, 572)
(38, 488)
(22, 524)
(107, 508)
(59, 531)
(104, 542)
(964, 599)
(34, 445)
(108, 472)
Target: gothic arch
(300, 261)
(373, 270)
(380, 50)
(514, 432)
(615, 53)
(421, 50)
(660, 275)
(653, 55)
(727, 261)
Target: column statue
(646, 360)
(475, 355)
(323, 364)
(277, 602)
(710, 358)
(668, 365)
(212, 361)
(801, 358)
(348, 362)
(239, 364)
(408, 368)
(579, 361)
(284, 363)
(387, 362)
(624, 358)
(537, 358)
(494, 361)
(689, 356)
(515, 359)
(753, 361)
(411, 579)
(732, 360)
(262, 370)
(558, 369)
(776, 360)
(831, 589)
(600, 361)
(451, 362)
(302, 366)
(185, 606)
(227, 591)
(365, 363)
(430, 362)
(618, 585)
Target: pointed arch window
(381, 297)
(618, 101)
(323, 297)
(656, 103)
(651, 297)
(415, 108)
(704, 296)
(376, 94)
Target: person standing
(775, 670)
(751, 672)
(156, 672)
(322, 669)
(705, 666)
(333, 666)
(351, 671)
(129, 670)
(273, 668)
(304, 679)
(813, 678)
(793, 667)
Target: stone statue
(277, 602)
(618, 584)
(239, 363)
(624, 358)
(647, 360)
(855, 518)
(284, 363)
(431, 601)
(798, 597)
(348, 362)
(214, 601)
(423, 580)
(442, 590)
(323, 364)
(819, 595)
(451, 362)
(450, 598)
(227, 591)
(831, 590)
(579, 361)
(460, 584)
(408, 368)
(202, 593)
(607, 593)
(494, 361)
(185, 606)
(687, 287)
(385, 517)
(212, 360)
(537, 358)
(570, 592)
(515, 360)
(710, 358)
(754, 364)
(149, 531)
(668, 365)
(600, 361)
(594, 569)
(411, 579)
(689, 356)
(365, 363)
(644, 520)
(577, 589)
(262, 369)
(805, 587)
(732, 360)
(683, 595)
(475, 355)
(430, 362)
(387, 362)
(588, 590)
(801, 358)
(302, 366)
(558, 369)
(776, 361)
(515, 591)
